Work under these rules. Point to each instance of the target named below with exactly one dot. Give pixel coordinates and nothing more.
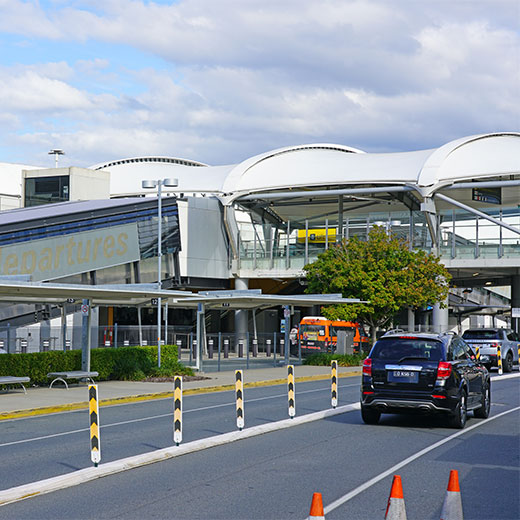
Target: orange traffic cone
(395, 509)
(317, 508)
(452, 507)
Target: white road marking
(161, 416)
(345, 498)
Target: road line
(345, 498)
(81, 476)
(161, 416)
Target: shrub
(344, 360)
(125, 363)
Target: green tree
(384, 272)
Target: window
(46, 190)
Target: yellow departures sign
(93, 410)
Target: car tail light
(443, 370)
(439, 396)
(367, 367)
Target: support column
(241, 328)
(440, 317)
(86, 335)
(515, 299)
(339, 235)
(411, 319)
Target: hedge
(124, 363)
(344, 360)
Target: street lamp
(148, 184)
(56, 153)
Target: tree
(384, 272)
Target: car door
(466, 367)
(474, 373)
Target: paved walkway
(42, 400)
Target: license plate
(403, 376)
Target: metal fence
(221, 351)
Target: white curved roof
(313, 165)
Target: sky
(218, 81)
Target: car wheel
(370, 416)
(460, 414)
(483, 411)
(508, 362)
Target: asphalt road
(273, 475)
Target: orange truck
(318, 334)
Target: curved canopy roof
(326, 166)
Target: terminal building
(254, 225)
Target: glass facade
(46, 190)
(463, 235)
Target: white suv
(488, 340)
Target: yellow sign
(317, 236)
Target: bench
(14, 380)
(74, 374)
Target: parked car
(410, 372)
(488, 340)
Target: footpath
(43, 400)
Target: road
(273, 475)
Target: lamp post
(147, 184)
(56, 154)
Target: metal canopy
(141, 294)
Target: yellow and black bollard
(177, 410)
(93, 410)
(477, 353)
(290, 388)
(334, 383)
(499, 360)
(239, 393)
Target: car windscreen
(398, 348)
(481, 334)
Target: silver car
(488, 340)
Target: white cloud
(242, 77)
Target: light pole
(56, 154)
(147, 184)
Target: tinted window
(481, 334)
(458, 350)
(398, 348)
(334, 329)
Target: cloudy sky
(221, 80)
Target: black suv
(415, 372)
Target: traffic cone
(317, 508)
(395, 509)
(452, 507)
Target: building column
(411, 318)
(440, 317)
(515, 299)
(241, 325)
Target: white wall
(203, 241)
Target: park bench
(14, 380)
(74, 374)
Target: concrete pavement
(44, 400)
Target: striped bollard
(334, 383)
(93, 410)
(290, 388)
(177, 410)
(477, 353)
(239, 393)
(499, 360)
